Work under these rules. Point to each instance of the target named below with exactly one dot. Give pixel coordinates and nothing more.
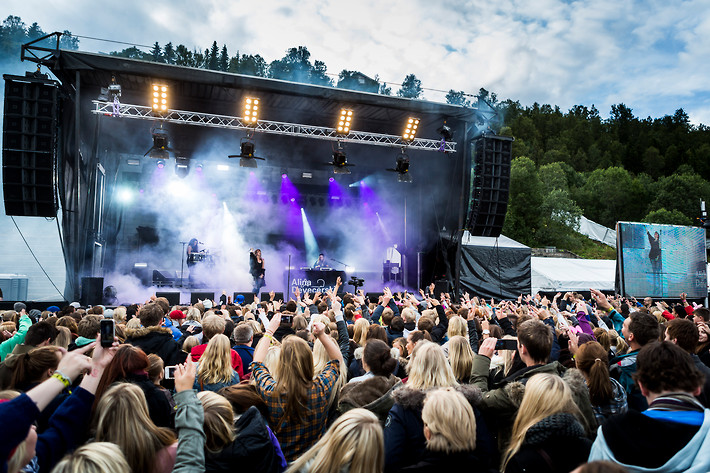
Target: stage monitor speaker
(92, 291)
(441, 285)
(195, 297)
(374, 297)
(29, 146)
(491, 185)
(278, 296)
(248, 297)
(164, 278)
(173, 297)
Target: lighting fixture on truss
(402, 168)
(160, 98)
(246, 152)
(447, 134)
(340, 160)
(182, 166)
(410, 129)
(160, 149)
(344, 122)
(251, 111)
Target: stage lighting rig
(402, 168)
(246, 154)
(251, 111)
(160, 98)
(344, 122)
(160, 149)
(182, 166)
(410, 129)
(110, 93)
(340, 161)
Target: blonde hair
(64, 337)
(190, 343)
(255, 325)
(194, 314)
(508, 356)
(216, 363)
(212, 325)
(450, 420)
(95, 457)
(545, 395)
(295, 368)
(133, 324)
(122, 417)
(461, 358)
(271, 361)
(457, 326)
(320, 359)
(354, 442)
(119, 315)
(360, 331)
(409, 314)
(428, 367)
(219, 421)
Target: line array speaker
(29, 148)
(490, 185)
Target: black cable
(33, 255)
(64, 251)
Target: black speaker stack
(490, 186)
(29, 146)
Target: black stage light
(160, 149)
(340, 162)
(182, 166)
(402, 168)
(446, 133)
(246, 155)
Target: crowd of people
(334, 382)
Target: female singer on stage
(257, 269)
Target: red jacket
(237, 365)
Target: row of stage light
(247, 157)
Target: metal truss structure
(266, 126)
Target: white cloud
(651, 56)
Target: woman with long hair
(450, 432)
(257, 269)
(353, 444)
(372, 391)
(95, 457)
(246, 443)
(607, 395)
(457, 326)
(131, 365)
(32, 368)
(461, 358)
(122, 417)
(404, 428)
(547, 433)
(298, 398)
(214, 370)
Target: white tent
(571, 274)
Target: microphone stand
(345, 265)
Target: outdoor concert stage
(149, 181)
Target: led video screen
(661, 261)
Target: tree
(132, 53)
(318, 74)
(169, 53)
(653, 161)
(411, 87)
(68, 41)
(223, 62)
(233, 65)
(34, 32)
(667, 217)
(384, 90)
(183, 56)
(526, 196)
(156, 53)
(213, 57)
(457, 98)
(253, 65)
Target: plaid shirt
(295, 439)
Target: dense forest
(566, 164)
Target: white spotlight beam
(265, 126)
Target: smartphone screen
(506, 344)
(170, 372)
(107, 332)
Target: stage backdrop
(495, 267)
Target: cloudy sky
(651, 55)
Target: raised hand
(185, 375)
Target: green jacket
(8, 345)
(189, 420)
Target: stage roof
(216, 92)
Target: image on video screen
(662, 260)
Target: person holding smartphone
(534, 345)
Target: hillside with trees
(565, 163)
